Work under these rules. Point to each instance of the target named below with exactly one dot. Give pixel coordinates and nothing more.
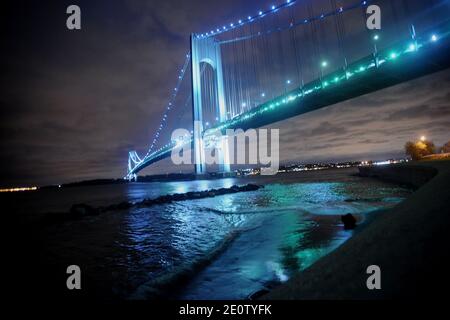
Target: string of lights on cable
(273, 9)
(170, 104)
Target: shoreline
(408, 242)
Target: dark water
(226, 247)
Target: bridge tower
(207, 50)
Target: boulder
(124, 205)
(80, 210)
(251, 187)
(349, 221)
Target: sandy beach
(408, 242)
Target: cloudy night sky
(73, 103)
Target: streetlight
(288, 82)
(323, 65)
(423, 138)
(375, 49)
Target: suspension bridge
(294, 58)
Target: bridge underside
(427, 59)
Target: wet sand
(408, 242)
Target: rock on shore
(82, 210)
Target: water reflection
(277, 231)
(139, 191)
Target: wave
(256, 210)
(167, 286)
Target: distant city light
(288, 81)
(393, 55)
(434, 37)
(263, 94)
(19, 189)
(376, 37)
(324, 64)
(423, 138)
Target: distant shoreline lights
(18, 189)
